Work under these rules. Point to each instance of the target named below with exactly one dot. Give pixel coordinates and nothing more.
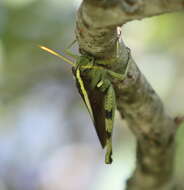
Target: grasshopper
(97, 92)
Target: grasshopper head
(85, 62)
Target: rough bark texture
(154, 129)
(137, 102)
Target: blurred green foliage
(22, 29)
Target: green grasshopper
(97, 92)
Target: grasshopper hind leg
(108, 155)
(109, 108)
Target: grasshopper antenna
(57, 54)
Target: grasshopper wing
(94, 100)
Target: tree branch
(118, 12)
(154, 130)
(97, 21)
(137, 102)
